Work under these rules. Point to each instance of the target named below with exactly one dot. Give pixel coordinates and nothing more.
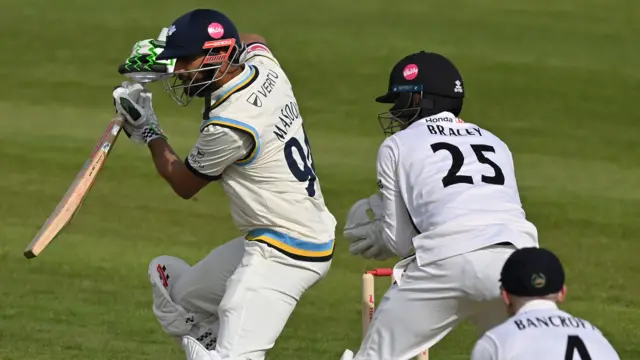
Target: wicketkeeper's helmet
(433, 77)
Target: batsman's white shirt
(238, 299)
(449, 188)
(254, 142)
(541, 331)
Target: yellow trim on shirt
(295, 248)
(239, 85)
(226, 122)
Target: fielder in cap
(235, 302)
(448, 204)
(532, 284)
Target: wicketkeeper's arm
(397, 227)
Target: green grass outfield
(557, 80)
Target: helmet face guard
(182, 86)
(403, 113)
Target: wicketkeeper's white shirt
(449, 188)
(541, 331)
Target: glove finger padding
(130, 103)
(359, 246)
(143, 63)
(135, 104)
(356, 233)
(129, 67)
(127, 107)
(372, 252)
(357, 219)
(361, 219)
(384, 254)
(364, 229)
(365, 211)
(145, 100)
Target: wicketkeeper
(448, 193)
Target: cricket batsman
(532, 284)
(235, 302)
(448, 204)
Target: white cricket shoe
(195, 350)
(347, 355)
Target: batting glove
(135, 104)
(142, 63)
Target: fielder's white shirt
(254, 142)
(448, 188)
(541, 331)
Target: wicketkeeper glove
(364, 229)
(134, 102)
(142, 62)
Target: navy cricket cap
(532, 272)
(429, 73)
(190, 32)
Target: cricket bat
(77, 192)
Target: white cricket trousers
(428, 302)
(253, 288)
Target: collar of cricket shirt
(538, 304)
(235, 84)
(443, 117)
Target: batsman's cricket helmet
(434, 77)
(204, 33)
(197, 32)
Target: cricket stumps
(369, 300)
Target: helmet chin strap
(206, 94)
(207, 107)
(426, 104)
